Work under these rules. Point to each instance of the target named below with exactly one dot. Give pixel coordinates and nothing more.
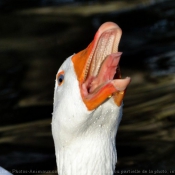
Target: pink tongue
(107, 71)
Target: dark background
(36, 37)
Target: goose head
(88, 106)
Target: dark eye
(60, 78)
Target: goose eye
(60, 78)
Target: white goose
(88, 106)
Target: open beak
(97, 68)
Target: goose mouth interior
(103, 64)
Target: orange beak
(97, 65)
